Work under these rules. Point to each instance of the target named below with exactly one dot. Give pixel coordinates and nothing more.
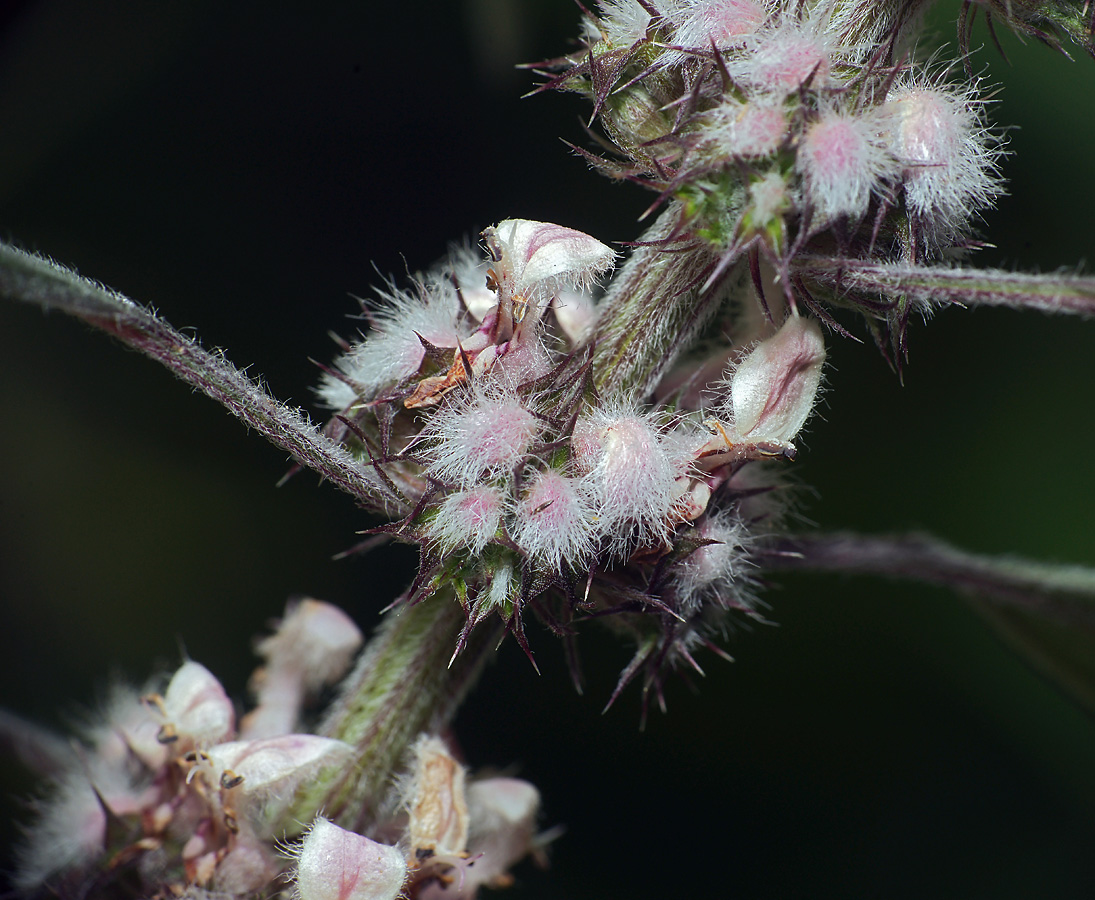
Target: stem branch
(31, 279)
(1063, 593)
(930, 285)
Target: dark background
(246, 167)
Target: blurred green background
(246, 167)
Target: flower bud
(949, 159)
(716, 568)
(638, 122)
(393, 350)
(785, 59)
(468, 519)
(842, 161)
(770, 198)
(554, 522)
(772, 390)
(335, 864)
(719, 22)
(483, 437)
(631, 473)
(746, 130)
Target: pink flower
(786, 58)
(554, 522)
(948, 154)
(842, 159)
(479, 437)
(719, 22)
(630, 473)
(335, 864)
(747, 130)
(468, 519)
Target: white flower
(536, 259)
(772, 390)
(312, 647)
(195, 708)
(257, 768)
(335, 864)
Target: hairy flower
(843, 161)
(747, 130)
(773, 390)
(949, 156)
(393, 350)
(529, 441)
(555, 522)
(483, 436)
(788, 57)
(717, 569)
(630, 473)
(467, 519)
(701, 24)
(335, 864)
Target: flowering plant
(522, 451)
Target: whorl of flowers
(166, 788)
(790, 132)
(166, 782)
(527, 489)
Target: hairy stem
(30, 279)
(1062, 593)
(930, 285)
(654, 309)
(403, 685)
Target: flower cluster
(528, 488)
(455, 838)
(784, 131)
(556, 453)
(168, 788)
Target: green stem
(403, 685)
(654, 310)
